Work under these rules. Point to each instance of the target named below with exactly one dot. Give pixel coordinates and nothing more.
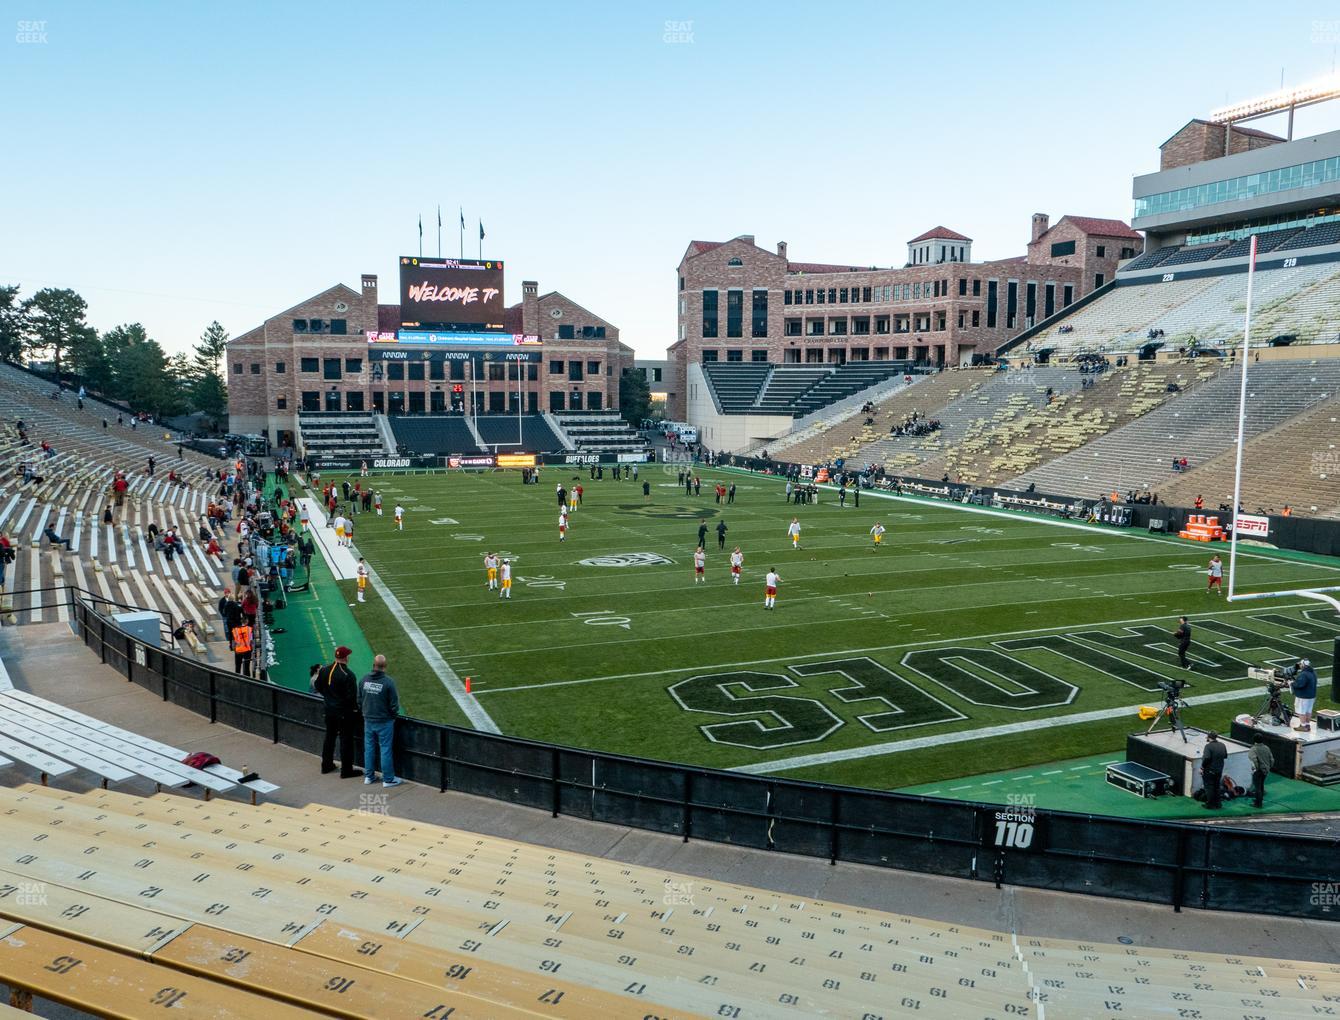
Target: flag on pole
(462, 217)
(481, 230)
(420, 226)
(439, 217)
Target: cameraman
(1304, 687)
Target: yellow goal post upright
(1316, 594)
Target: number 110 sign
(1014, 828)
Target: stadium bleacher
(535, 435)
(435, 434)
(1198, 424)
(496, 927)
(345, 435)
(116, 563)
(598, 432)
(795, 390)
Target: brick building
(316, 356)
(740, 302)
(1199, 140)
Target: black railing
(1157, 862)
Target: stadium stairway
(1297, 463)
(321, 920)
(1198, 424)
(1002, 449)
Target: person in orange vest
(1287, 511)
(242, 643)
(1200, 503)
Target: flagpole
(439, 231)
(1242, 425)
(462, 233)
(420, 235)
(481, 240)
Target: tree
(634, 396)
(88, 360)
(209, 392)
(140, 371)
(13, 325)
(55, 320)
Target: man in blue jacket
(380, 702)
(1304, 687)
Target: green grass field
(969, 643)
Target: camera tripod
(1273, 706)
(1171, 710)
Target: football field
(971, 641)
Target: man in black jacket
(1183, 637)
(1212, 769)
(338, 686)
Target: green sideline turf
(871, 665)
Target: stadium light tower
(1320, 91)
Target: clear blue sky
(180, 162)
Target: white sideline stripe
(342, 562)
(872, 648)
(914, 743)
(470, 705)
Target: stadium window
(556, 400)
(281, 403)
(353, 400)
(1062, 248)
(735, 262)
(567, 332)
(339, 327)
(353, 366)
(255, 368)
(556, 368)
(816, 327)
(962, 286)
(1031, 302)
(593, 368)
(416, 371)
(865, 295)
(962, 316)
(735, 355)
(395, 370)
(916, 291)
(575, 401)
(330, 368)
(821, 296)
(497, 401)
(832, 295)
(532, 372)
(436, 370)
(709, 356)
(881, 354)
(497, 372)
(709, 313)
(838, 327)
(791, 357)
(755, 355)
(1098, 279)
(594, 401)
(1049, 301)
(456, 370)
(379, 402)
(416, 402)
(759, 314)
(887, 289)
(881, 324)
(940, 323)
(809, 297)
(907, 292)
(786, 297)
(792, 327)
(309, 365)
(1011, 303)
(976, 288)
(1102, 250)
(1068, 295)
(1127, 253)
(237, 368)
(976, 318)
(842, 296)
(279, 368)
(860, 354)
(574, 371)
(656, 375)
(311, 400)
(992, 290)
(681, 283)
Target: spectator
(339, 689)
(242, 640)
(380, 702)
(49, 533)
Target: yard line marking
(1054, 772)
(914, 743)
(707, 667)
